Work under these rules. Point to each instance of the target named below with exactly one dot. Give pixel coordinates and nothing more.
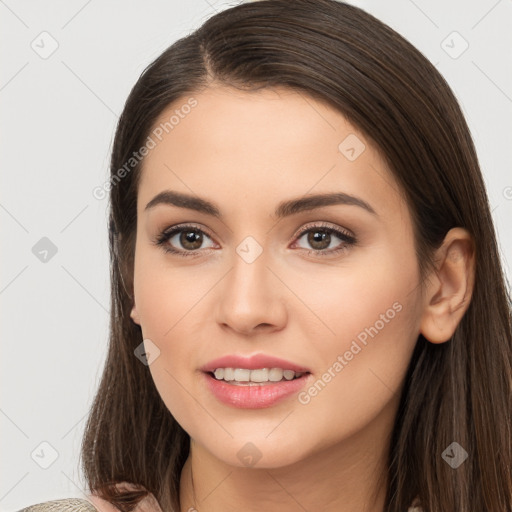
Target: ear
(134, 315)
(450, 286)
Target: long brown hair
(458, 391)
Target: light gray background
(58, 120)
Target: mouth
(254, 377)
(253, 382)
(257, 388)
(254, 362)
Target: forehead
(270, 144)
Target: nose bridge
(248, 279)
(250, 296)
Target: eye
(190, 237)
(322, 238)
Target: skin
(246, 152)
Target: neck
(348, 477)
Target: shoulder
(103, 505)
(64, 505)
(100, 504)
(91, 503)
(147, 504)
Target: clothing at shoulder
(100, 505)
(64, 505)
(148, 504)
(93, 503)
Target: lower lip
(257, 396)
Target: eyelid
(162, 238)
(324, 225)
(299, 233)
(184, 226)
(346, 236)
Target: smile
(247, 394)
(244, 376)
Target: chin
(258, 453)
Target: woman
(308, 310)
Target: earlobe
(135, 315)
(449, 290)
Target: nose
(251, 299)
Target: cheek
(168, 302)
(377, 289)
(368, 316)
(365, 313)
(162, 294)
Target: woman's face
(330, 287)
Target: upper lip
(252, 363)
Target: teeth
(259, 375)
(242, 375)
(288, 374)
(275, 374)
(229, 374)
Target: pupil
(192, 238)
(317, 239)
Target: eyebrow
(284, 209)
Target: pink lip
(254, 397)
(252, 363)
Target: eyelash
(348, 239)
